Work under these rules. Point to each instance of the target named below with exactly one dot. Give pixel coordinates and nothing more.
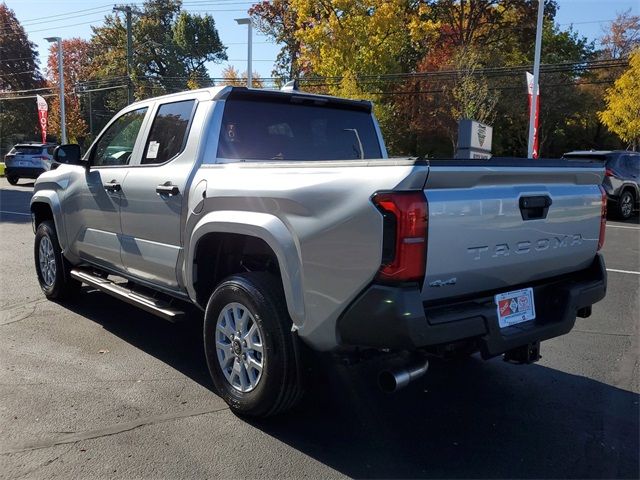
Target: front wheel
(253, 357)
(52, 269)
(13, 180)
(625, 205)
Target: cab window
(169, 131)
(116, 144)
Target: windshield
(264, 130)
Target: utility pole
(536, 77)
(128, 11)
(90, 117)
(63, 120)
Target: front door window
(116, 144)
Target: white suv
(28, 160)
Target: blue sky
(73, 18)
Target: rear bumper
(23, 172)
(395, 317)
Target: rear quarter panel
(333, 226)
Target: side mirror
(69, 153)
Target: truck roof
(225, 91)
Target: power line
(67, 13)
(18, 73)
(49, 20)
(64, 26)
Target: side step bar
(149, 304)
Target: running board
(149, 304)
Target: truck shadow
(14, 205)
(462, 420)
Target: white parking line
(15, 213)
(622, 271)
(622, 226)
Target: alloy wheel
(239, 347)
(47, 261)
(626, 206)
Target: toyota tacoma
(281, 217)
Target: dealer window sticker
(152, 151)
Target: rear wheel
(52, 268)
(625, 205)
(253, 357)
(13, 180)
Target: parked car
(28, 160)
(281, 217)
(621, 181)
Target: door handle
(170, 190)
(112, 186)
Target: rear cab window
(289, 128)
(169, 132)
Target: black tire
(625, 205)
(13, 180)
(279, 387)
(63, 286)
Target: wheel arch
(46, 206)
(260, 227)
(634, 190)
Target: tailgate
(500, 223)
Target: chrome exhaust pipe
(393, 380)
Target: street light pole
(63, 121)
(247, 22)
(536, 77)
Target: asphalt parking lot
(98, 388)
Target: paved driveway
(100, 389)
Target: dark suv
(621, 178)
(28, 160)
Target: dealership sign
(474, 140)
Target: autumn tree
(18, 71)
(75, 65)
(622, 115)
(339, 37)
(622, 37)
(231, 76)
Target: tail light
(609, 173)
(603, 217)
(404, 247)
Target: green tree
(622, 115)
(197, 42)
(278, 20)
(171, 48)
(18, 71)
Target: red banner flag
(43, 110)
(535, 120)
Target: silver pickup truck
(280, 216)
